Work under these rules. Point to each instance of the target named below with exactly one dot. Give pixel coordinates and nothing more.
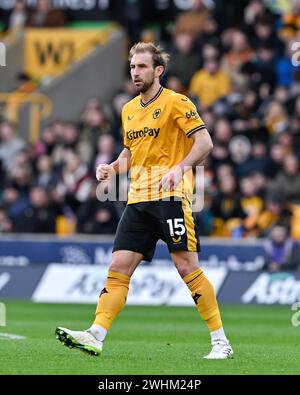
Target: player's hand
(103, 172)
(171, 179)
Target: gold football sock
(204, 296)
(112, 299)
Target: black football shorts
(143, 224)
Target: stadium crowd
(236, 63)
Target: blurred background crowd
(237, 61)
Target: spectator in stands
(67, 136)
(209, 35)
(46, 16)
(57, 153)
(209, 119)
(6, 225)
(276, 118)
(286, 185)
(227, 210)
(262, 69)
(286, 141)
(286, 71)
(296, 109)
(2, 174)
(220, 156)
(257, 161)
(93, 124)
(92, 104)
(47, 142)
(260, 182)
(71, 136)
(256, 129)
(23, 158)
(97, 217)
(255, 10)
(10, 144)
(239, 53)
(21, 178)
(264, 36)
(191, 22)
(281, 252)
(117, 105)
(240, 151)
(45, 177)
(230, 13)
(129, 88)
(252, 204)
(276, 160)
(18, 16)
(39, 216)
(58, 127)
(204, 217)
(210, 83)
(21, 174)
(223, 171)
(175, 84)
(244, 106)
(281, 95)
(105, 150)
(274, 211)
(291, 21)
(209, 51)
(184, 62)
(294, 129)
(222, 131)
(14, 201)
(75, 183)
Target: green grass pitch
(150, 340)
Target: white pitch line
(10, 336)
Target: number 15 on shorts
(176, 226)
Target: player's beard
(146, 85)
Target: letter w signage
(50, 52)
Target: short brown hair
(159, 55)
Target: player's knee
(185, 265)
(184, 270)
(116, 266)
(120, 266)
(125, 262)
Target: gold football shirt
(157, 135)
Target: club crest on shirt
(156, 113)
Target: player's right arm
(121, 165)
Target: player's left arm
(202, 146)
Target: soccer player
(164, 138)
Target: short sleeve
(186, 115)
(126, 141)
